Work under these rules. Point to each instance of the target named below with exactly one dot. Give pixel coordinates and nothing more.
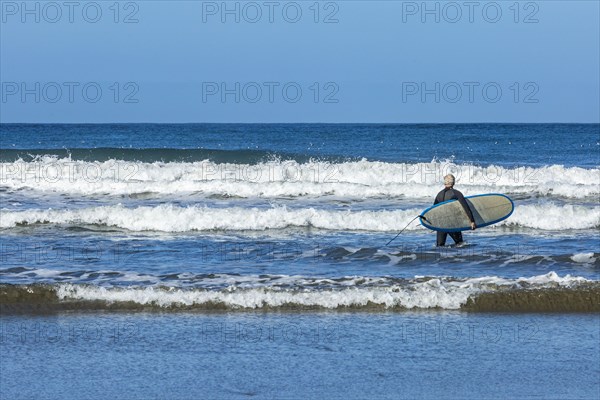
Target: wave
(555, 217)
(538, 293)
(171, 218)
(277, 178)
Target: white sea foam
(554, 217)
(435, 292)
(171, 218)
(362, 179)
(584, 258)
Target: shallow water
(301, 355)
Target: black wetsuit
(452, 194)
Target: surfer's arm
(465, 205)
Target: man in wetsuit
(449, 193)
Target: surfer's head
(449, 180)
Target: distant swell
(547, 293)
(170, 218)
(146, 155)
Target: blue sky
(344, 61)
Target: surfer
(449, 193)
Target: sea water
(250, 260)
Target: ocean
(251, 261)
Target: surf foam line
(171, 218)
(215, 281)
(363, 179)
(539, 293)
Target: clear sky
(304, 61)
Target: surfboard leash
(411, 221)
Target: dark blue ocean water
(257, 255)
(502, 144)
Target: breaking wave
(548, 292)
(275, 178)
(171, 218)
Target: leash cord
(411, 221)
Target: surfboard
(449, 216)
